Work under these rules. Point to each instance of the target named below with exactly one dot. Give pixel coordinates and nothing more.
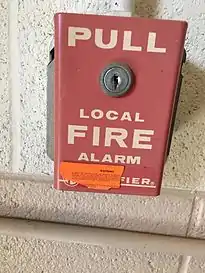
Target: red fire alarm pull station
(114, 84)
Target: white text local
(110, 115)
(141, 138)
(85, 34)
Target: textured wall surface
(186, 166)
(35, 27)
(181, 215)
(35, 31)
(49, 257)
(23, 143)
(164, 214)
(4, 90)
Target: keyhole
(116, 81)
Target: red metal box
(134, 129)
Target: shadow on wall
(186, 163)
(192, 97)
(146, 8)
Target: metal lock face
(116, 79)
(115, 96)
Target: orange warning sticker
(103, 177)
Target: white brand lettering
(85, 34)
(78, 33)
(83, 157)
(115, 134)
(112, 115)
(117, 159)
(72, 132)
(107, 158)
(146, 181)
(111, 136)
(97, 114)
(108, 137)
(135, 181)
(96, 136)
(137, 118)
(99, 39)
(126, 116)
(133, 159)
(138, 137)
(82, 114)
(151, 46)
(93, 159)
(120, 159)
(127, 42)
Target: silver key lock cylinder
(116, 79)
